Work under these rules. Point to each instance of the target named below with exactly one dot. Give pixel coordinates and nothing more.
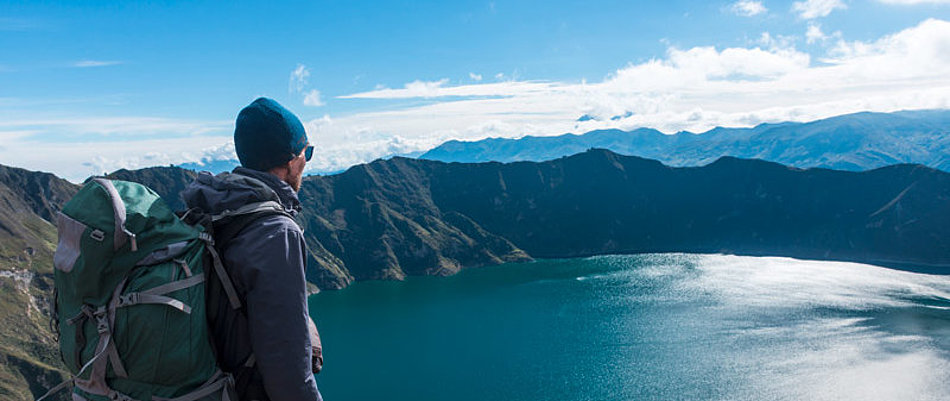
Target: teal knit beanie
(267, 135)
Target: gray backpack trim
(68, 246)
(250, 208)
(122, 234)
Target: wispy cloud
(299, 78)
(748, 8)
(475, 77)
(814, 34)
(95, 63)
(811, 9)
(300, 82)
(914, 2)
(313, 99)
(417, 88)
(106, 128)
(776, 42)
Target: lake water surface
(641, 327)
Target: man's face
(295, 178)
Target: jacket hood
(229, 191)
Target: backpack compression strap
(106, 353)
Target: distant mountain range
(853, 142)
(400, 217)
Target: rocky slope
(29, 356)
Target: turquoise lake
(641, 327)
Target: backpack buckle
(102, 320)
(102, 324)
(97, 235)
(127, 299)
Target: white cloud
(689, 89)
(914, 2)
(344, 143)
(86, 146)
(776, 42)
(748, 8)
(475, 77)
(810, 9)
(413, 89)
(299, 78)
(75, 161)
(221, 152)
(814, 34)
(425, 88)
(919, 52)
(313, 99)
(94, 63)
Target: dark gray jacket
(266, 261)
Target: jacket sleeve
(276, 302)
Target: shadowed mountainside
(600, 202)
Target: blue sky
(105, 86)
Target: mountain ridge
(853, 142)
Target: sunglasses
(308, 152)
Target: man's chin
(295, 183)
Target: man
(265, 344)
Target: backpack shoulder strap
(229, 224)
(224, 226)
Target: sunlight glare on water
(642, 327)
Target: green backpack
(130, 298)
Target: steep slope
(601, 202)
(853, 142)
(380, 221)
(29, 356)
